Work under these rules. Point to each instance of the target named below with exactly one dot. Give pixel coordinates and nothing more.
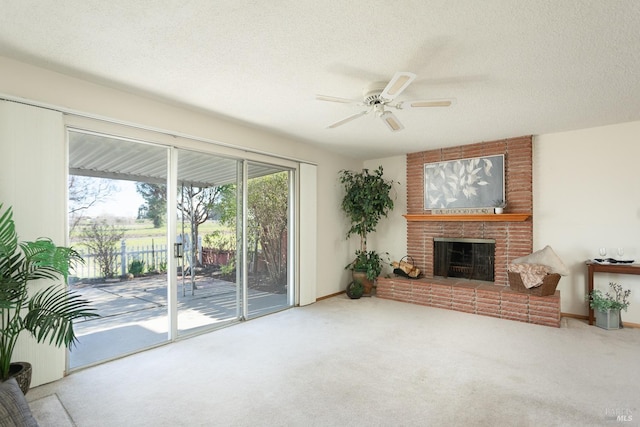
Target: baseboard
(583, 317)
(575, 316)
(329, 296)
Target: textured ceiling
(514, 67)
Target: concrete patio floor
(134, 314)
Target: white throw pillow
(546, 257)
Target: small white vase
(498, 210)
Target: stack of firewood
(409, 270)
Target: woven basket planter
(548, 287)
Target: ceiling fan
(380, 95)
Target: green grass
(141, 233)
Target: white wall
(33, 84)
(391, 234)
(586, 195)
(308, 218)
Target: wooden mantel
(506, 217)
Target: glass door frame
(124, 139)
(206, 164)
(242, 274)
(172, 259)
(173, 142)
(292, 233)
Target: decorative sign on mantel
(461, 211)
(507, 217)
(465, 185)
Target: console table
(594, 267)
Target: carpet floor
(367, 362)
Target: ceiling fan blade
(426, 103)
(398, 83)
(391, 121)
(347, 119)
(336, 99)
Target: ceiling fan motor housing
(372, 94)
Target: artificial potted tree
(47, 314)
(607, 306)
(367, 199)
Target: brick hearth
(473, 297)
(513, 240)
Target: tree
(366, 200)
(102, 240)
(84, 192)
(225, 208)
(196, 205)
(267, 207)
(155, 207)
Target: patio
(134, 313)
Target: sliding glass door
(208, 285)
(117, 199)
(268, 232)
(175, 241)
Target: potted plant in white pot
(499, 205)
(47, 314)
(367, 199)
(607, 306)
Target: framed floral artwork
(466, 183)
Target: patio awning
(115, 158)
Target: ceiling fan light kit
(379, 95)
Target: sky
(123, 203)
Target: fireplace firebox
(464, 258)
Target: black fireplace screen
(465, 258)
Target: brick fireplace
(513, 238)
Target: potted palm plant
(607, 306)
(47, 314)
(367, 199)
